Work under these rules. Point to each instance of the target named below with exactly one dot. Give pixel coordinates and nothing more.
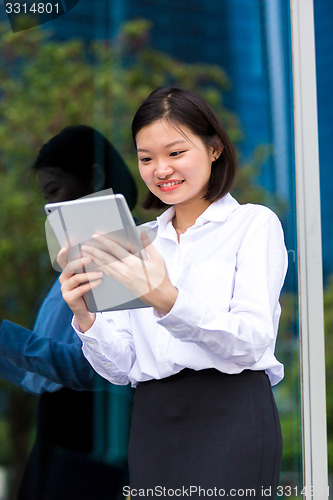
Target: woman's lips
(169, 185)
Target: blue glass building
(323, 10)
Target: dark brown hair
(184, 107)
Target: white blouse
(229, 268)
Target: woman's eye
(176, 153)
(51, 192)
(145, 160)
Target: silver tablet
(72, 223)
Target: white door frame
(309, 252)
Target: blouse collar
(218, 211)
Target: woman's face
(174, 163)
(58, 185)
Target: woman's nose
(163, 169)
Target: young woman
(202, 356)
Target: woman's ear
(98, 177)
(216, 147)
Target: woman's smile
(170, 185)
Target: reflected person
(48, 361)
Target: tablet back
(73, 224)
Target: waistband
(205, 373)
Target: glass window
(93, 66)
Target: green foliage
(5, 453)
(287, 393)
(328, 317)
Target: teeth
(167, 184)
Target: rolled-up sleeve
(108, 346)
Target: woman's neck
(186, 215)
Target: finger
(77, 265)
(71, 266)
(78, 292)
(111, 246)
(145, 238)
(148, 245)
(101, 257)
(82, 278)
(69, 283)
(62, 257)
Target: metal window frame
(311, 316)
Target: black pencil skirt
(204, 434)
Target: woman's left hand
(148, 279)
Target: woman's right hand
(74, 284)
